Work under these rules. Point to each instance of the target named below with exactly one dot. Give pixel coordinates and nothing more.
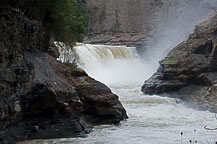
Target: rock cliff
(189, 70)
(42, 97)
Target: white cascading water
(112, 64)
(152, 119)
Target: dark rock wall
(19, 33)
(41, 97)
(189, 70)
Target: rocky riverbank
(139, 40)
(189, 70)
(40, 96)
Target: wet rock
(53, 50)
(17, 108)
(139, 40)
(189, 70)
(75, 91)
(35, 129)
(101, 102)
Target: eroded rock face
(41, 97)
(189, 70)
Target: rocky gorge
(188, 71)
(40, 96)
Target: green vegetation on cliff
(69, 19)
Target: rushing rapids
(152, 119)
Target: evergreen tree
(69, 19)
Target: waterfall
(111, 64)
(102, 53)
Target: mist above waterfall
(174, 22)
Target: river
(152, 119)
